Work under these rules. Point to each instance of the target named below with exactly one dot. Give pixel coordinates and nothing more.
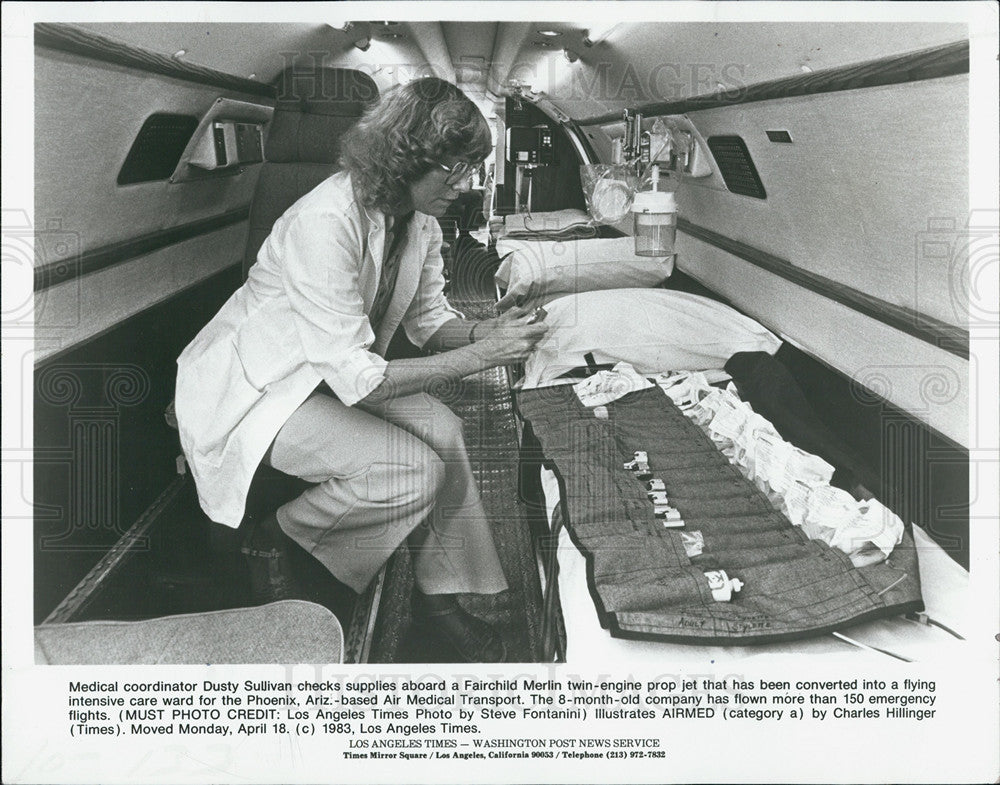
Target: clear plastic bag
(660, 142)
(609, 190)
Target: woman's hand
(508, 339)
(511, 337)
(513, 316)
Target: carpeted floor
(483, 401)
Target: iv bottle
(654, 220)
(659, 142)
(617, 151)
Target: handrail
(72, 267)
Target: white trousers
(394, 471)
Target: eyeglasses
(463, 170)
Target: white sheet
(944, 585)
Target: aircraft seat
(314, 108)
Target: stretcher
(627, 590)
(619, 580)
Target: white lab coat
(300, 319)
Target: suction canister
(655, 221)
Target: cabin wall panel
(870, 177)
(674, 61)
(929, 383)
(87, 114)
(103, 450)
(82, 308)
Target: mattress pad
(643, 580)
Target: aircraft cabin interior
(745, 432)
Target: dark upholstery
(314, 108)
(772, 391)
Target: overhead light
(570, 55)
(598, 32)
(364, 43)
(180, 53)
(549, 33)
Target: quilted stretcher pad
(644, 583)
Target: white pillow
(654, 330)
(539, 271)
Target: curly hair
(399, 138)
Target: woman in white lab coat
(292, 372)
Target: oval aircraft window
(157, 148)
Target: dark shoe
(269, 560)
(472, 639)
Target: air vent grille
(736, 166)
(157, 148)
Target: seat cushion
(279, 186)
(290, 631)
(314, 109)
